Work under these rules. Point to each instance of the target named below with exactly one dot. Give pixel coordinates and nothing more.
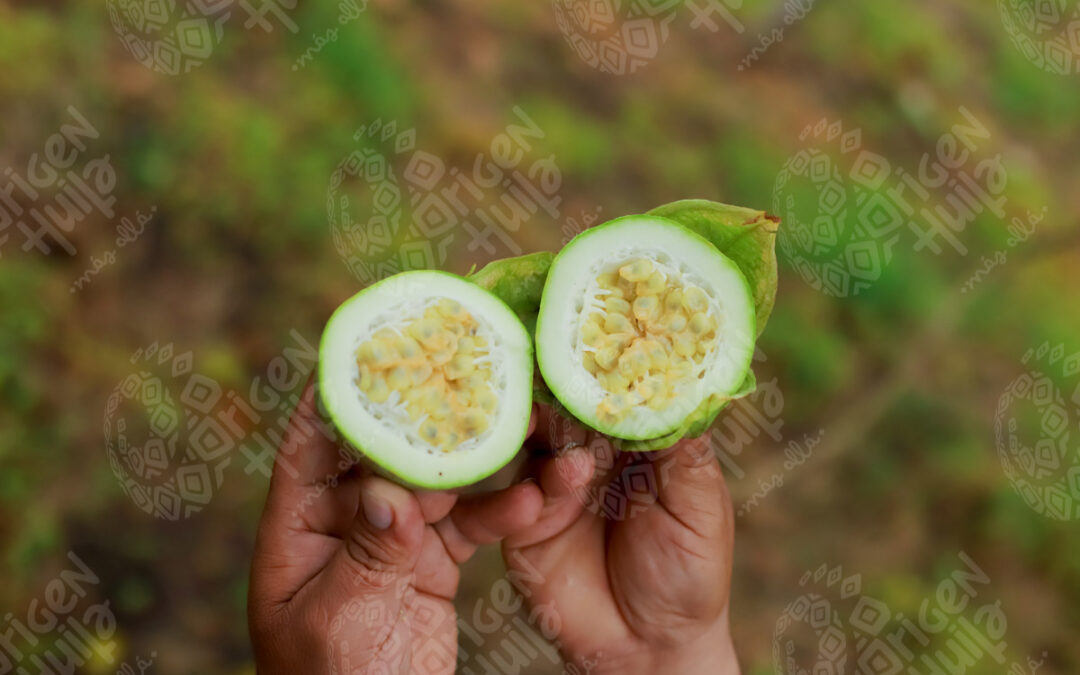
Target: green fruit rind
(519, 282)
(746, 236)
(385, 449)
(706, 398)
(697, 424)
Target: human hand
(647, 592)
(352, 573)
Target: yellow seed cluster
(651, 332)
(432, 364)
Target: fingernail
(377, 510)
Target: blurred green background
(237, 156)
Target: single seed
(617, 306)
(588, 361)
(699, 323)
(607, 280)
(606, 357)
(460, 366)
(375, 352)
(634, 362)
(379, 391)
(607, 417)
(452, 440)
(398, 379)
(621, 401)
(424, 329)
(460, 329)
(652, 286)
(639, 270)
(442, 410)
(609, 411)
(473, 381)
(451, 309)
(681, 370)
(654, 349)
(466, 345)
(684, 345)
(614, 382)
(475, 423)
(645, 389)
(617, 323)
(645, 308)
(695, 300)
(364, 381)
(659, 400)
(429, 431)
(592, 333)
(442, 356)
(407, 347)
(674, 323)
(623, 340)
(673, 301)
(486, 401)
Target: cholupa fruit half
(429, 377)
(645, 326)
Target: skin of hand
(354, 574)
(646, 592)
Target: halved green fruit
(429, 377)
(646, 330)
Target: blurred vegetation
(237, 157)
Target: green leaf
(746, 236)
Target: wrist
(711, 653)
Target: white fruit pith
(430, 377)
(641, 320)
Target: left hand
(353, 573)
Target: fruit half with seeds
(645, 330)
(429, 377)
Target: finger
(482, 519)
(385, 539)
(309, 454)
(555, 432)
(532, 421)
(561, 479)
(435, 505)
(690, 485)
(437, 573)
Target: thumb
(690, 485)
(383, 543)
